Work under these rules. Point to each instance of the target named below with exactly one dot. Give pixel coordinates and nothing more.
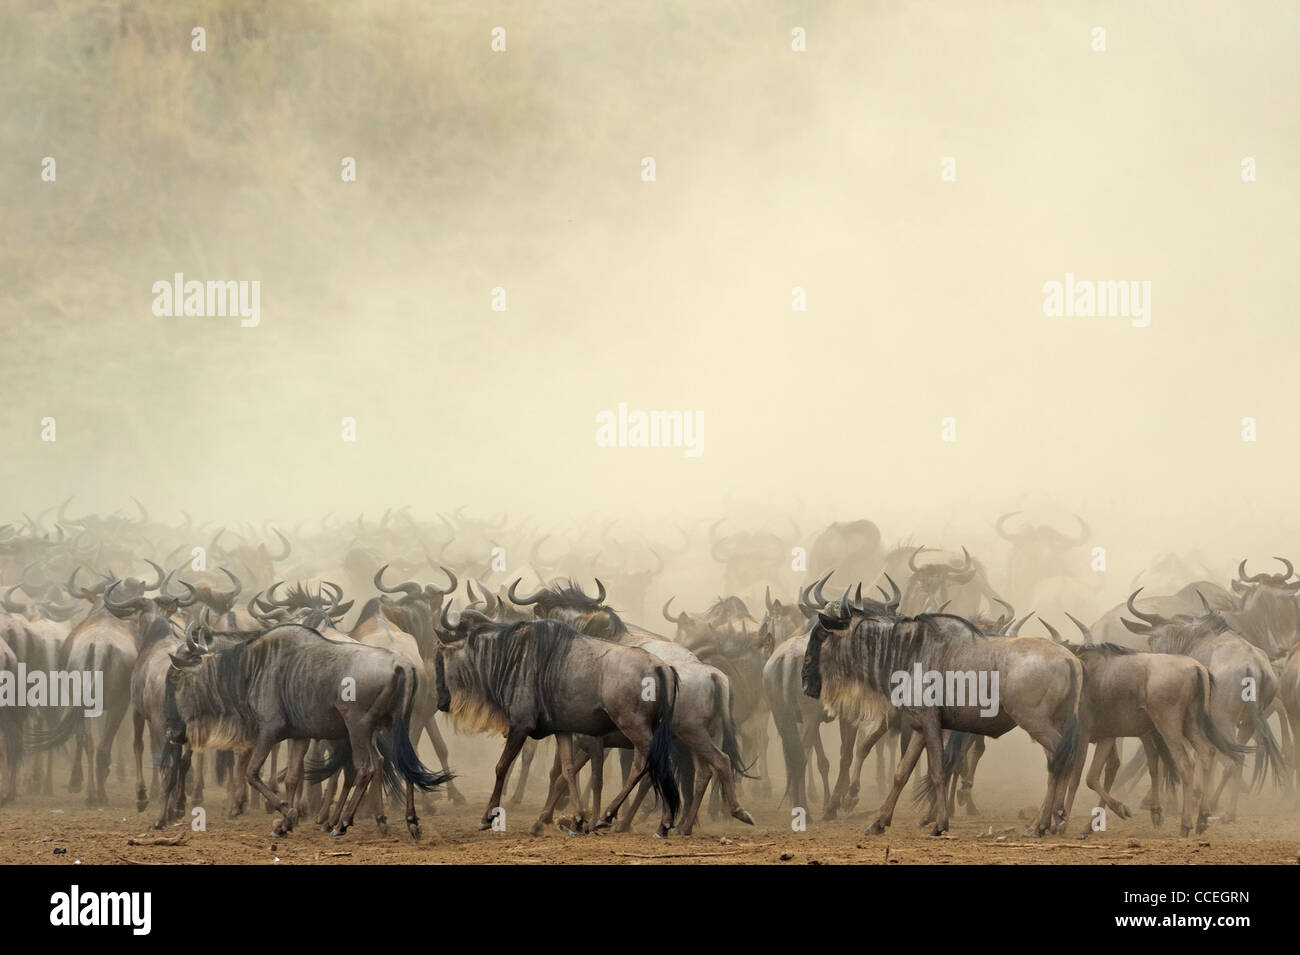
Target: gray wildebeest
(1289, 691)
(1269, 615)
(1244, 688)
(543, 678)
(1164, 700)
(857, 652)
(704, 725)
(292, 683)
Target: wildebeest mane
(1101, 649)
(506, 659)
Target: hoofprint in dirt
(62, 831)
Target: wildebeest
(11, 726)
(292, 683)
(1244, 684)
(1164, 700)
(1269, 616)
(539, 678)
(1288, 690)
(855, 653)
(704, 723)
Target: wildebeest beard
(503, 663)
(219, 684)
(852, 674)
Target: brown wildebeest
(1244, 686)
(703, 711)
(1164, 700)
(11, 726)
(853, 661)
(544, 678)
(1269, 616)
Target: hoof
(1123, 811)
(875, 829)
(1157, 817)
(382, 824)
(485, 825)
(140, 803)
(1033, 832)
(1184, 832)
(340, 831)
(938, 830)
(827, 816)
(602, 824)
(458, 800)
(413, 827)
(538, 826)
(744, 816)
(624, 826)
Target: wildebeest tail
(340, 754)
(1234, 751)
(659, 762)
(69, 723)
(1062, 758)
(1268, 754)
(1165, 756)
(401, 762)
(730, 745)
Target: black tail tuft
(1062, 759)
(730, 745)
(659, 762)
(401, 762)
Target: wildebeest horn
(144, 515)
(1010, 614)
(669, 617)
(271, 599)
(1204, 603)
(450, 588)
(966, 571)
(134, 605)
(1001, 526)
(234, 580)
(892, 602)
(767, 598)
(519, 601)
(193, 595)
(1013, 629)
(409, 588)
(10, 604)
(1150, 619)
(1052, 631)
(157, 584)
(911, 559)
(600, 591)
(1083, 628)
(817, 588)
(1083, 531)
(1289, 569)
(284, 540)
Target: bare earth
(33, 830)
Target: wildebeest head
(197, 644)
(1269, 616)
(935, 584)
(219, 601)
(566, 600)
(750, 558)
(162, 604)
(1038, 550)
(845, 644)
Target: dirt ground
(60, 830)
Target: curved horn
(283, 540)
(1083, 628)
(817, 588)
(1289, 569)
(767, 598)
(1151, 619)
(162, 575)
(134, 605)
(188, 601)
(1084, 533)
(234, 580)
(408, 588)
(677, 619)
(450, 588)
(911, 559)
(600, 591)
(1014, 629)
(1000, 527)
(519, 601)
(10, 604)
(1055, 634)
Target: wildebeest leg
(84, 742)
(262, 747)
(862, 749)
(327, 802)
(293, 773)
(236, 788)
(1232, 774)
(1104, 748)
(641, 792)
(200, 778)
(363, 760)
(514, 742)
(376, 802)
(1076, 773)
(349, 775)
(171, 782)
(848, 744)
(901, 775)
(701, 745)
(967, 792)
(564, 744)
(1153, 770)
(440, 748)
(823, 767)
(597, 779)
(112, 722)
(581, 756)
(933, 736)
(1294, 719)
(529, 751)
(702, 776)
(640, 766)
(555, 791)
(1170, 728)
(137, 744)
(274, 799)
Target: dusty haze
(775, 169)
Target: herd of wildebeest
(329, 651)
